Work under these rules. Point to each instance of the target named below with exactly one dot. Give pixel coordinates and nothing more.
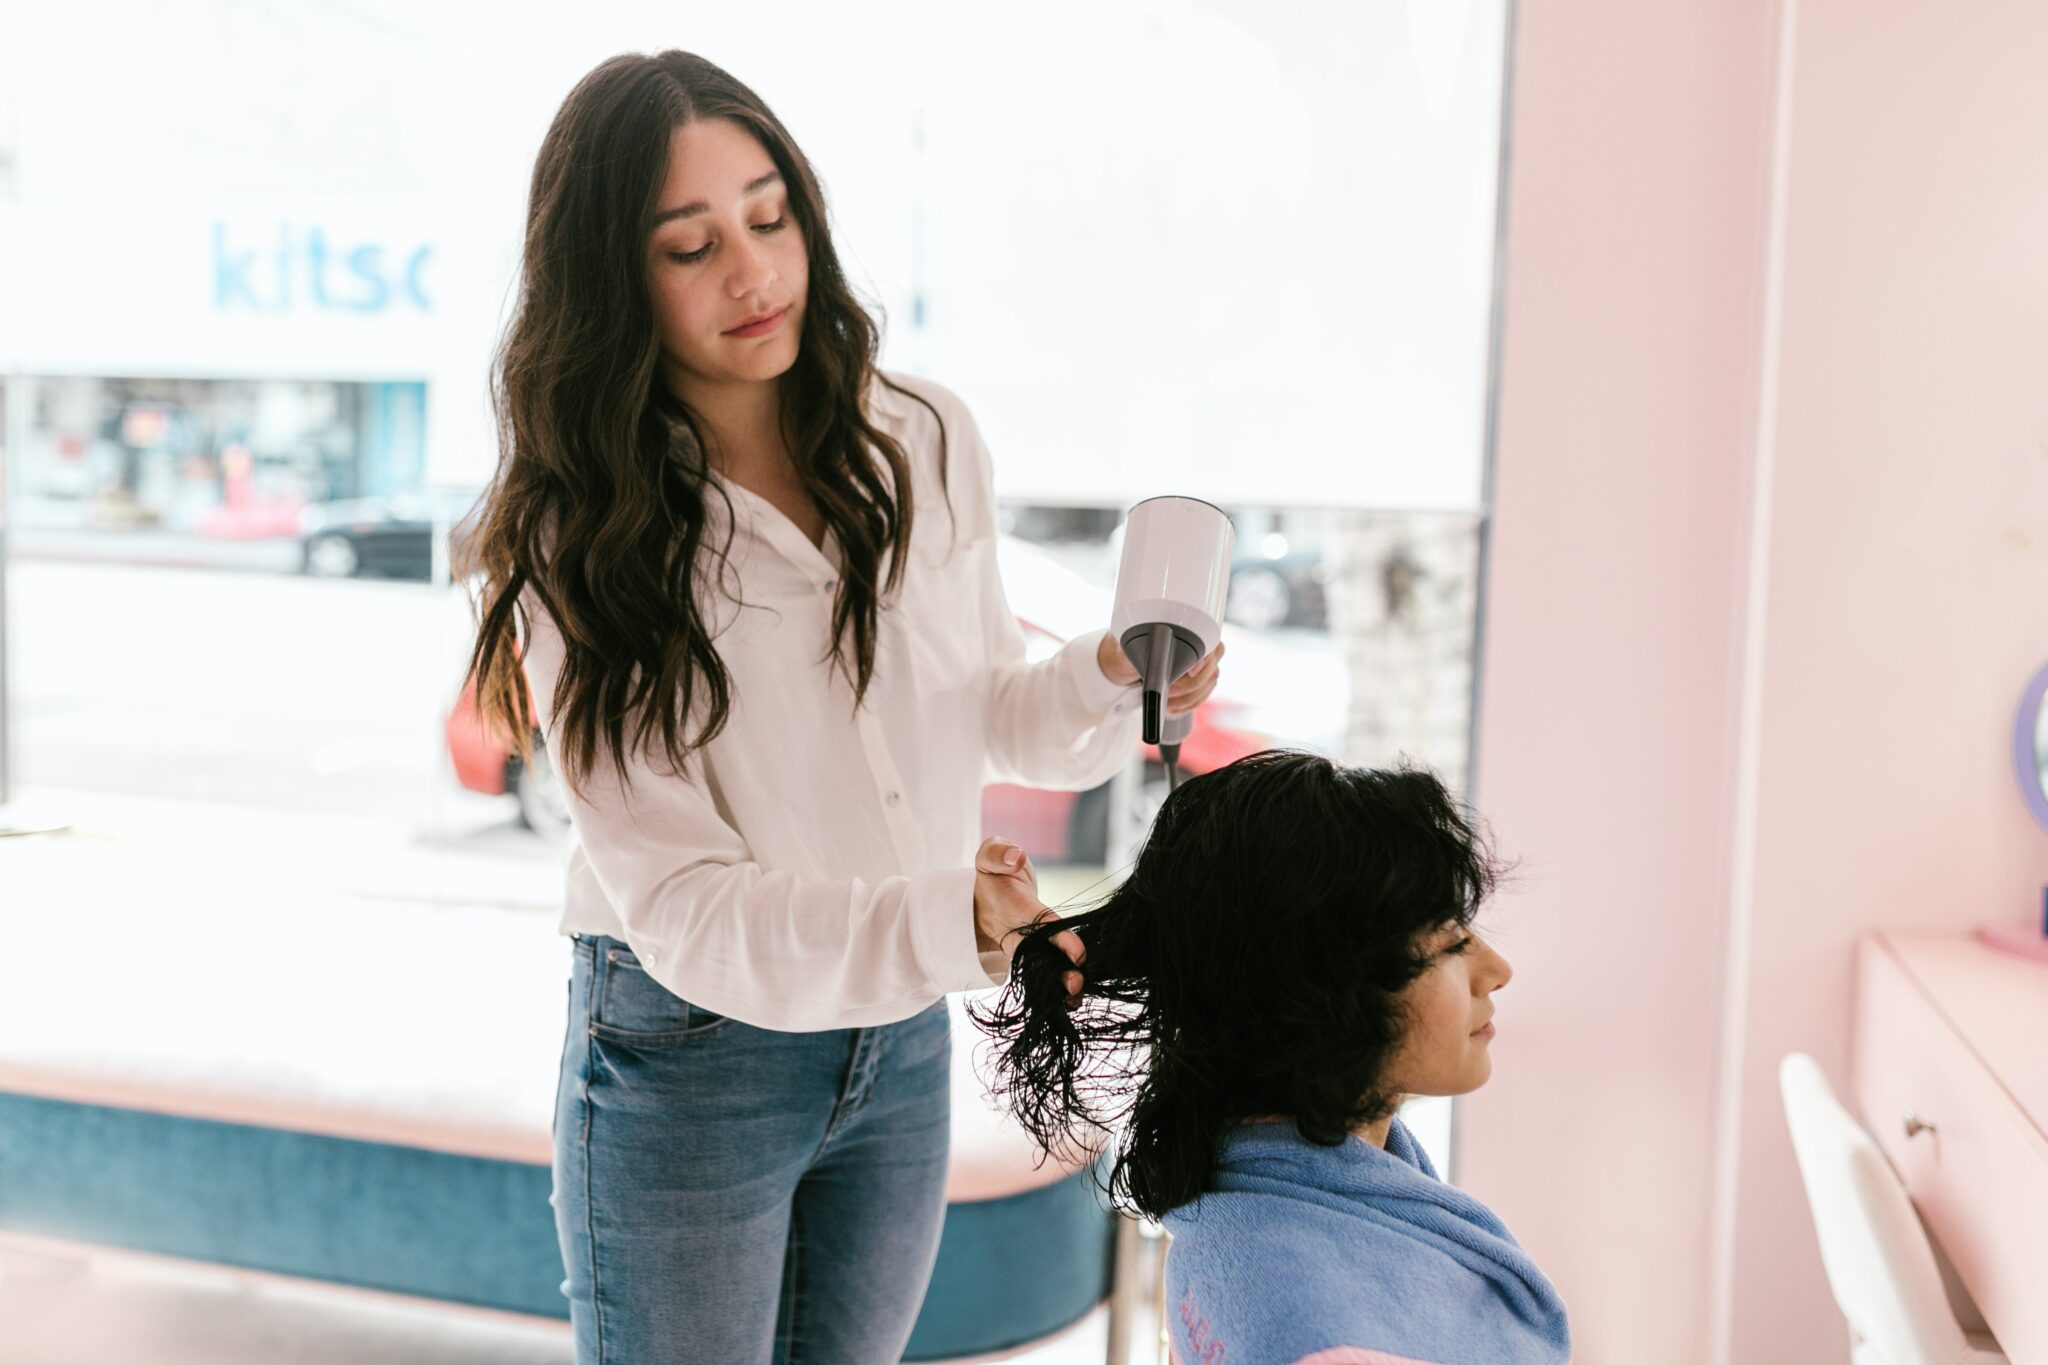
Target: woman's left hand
(1189, 690)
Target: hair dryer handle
(1174, 729)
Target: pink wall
(1908, 539)
(1716, 785)
(1636, 213)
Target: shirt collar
(769, 524)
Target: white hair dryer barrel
(1170, 588)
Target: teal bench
(311, 1127)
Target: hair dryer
(1168, 615)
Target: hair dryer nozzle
(1160, 654)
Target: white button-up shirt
(812, 868)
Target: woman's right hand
(1006, 901)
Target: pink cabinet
(1951, 1072)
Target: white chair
(1879, 1262)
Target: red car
(1056, 826)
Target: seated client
(1291, 957)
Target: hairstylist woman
(749, 585)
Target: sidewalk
(123, 846)
(153, 549)
(119, 845)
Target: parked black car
(1287, 591)
(381, 537)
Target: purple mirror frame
(2026, 763)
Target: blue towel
(1350, 1255)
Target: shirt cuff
(1092, 688)
(942, 930)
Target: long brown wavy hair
(600, 497)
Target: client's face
(1450, 1013)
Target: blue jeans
(732, 1195)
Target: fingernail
(1013, 857)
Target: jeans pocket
(634, 1009)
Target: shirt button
(894, 798)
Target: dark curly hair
(1248, 967)
(600, 500)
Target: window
(1237, 251)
